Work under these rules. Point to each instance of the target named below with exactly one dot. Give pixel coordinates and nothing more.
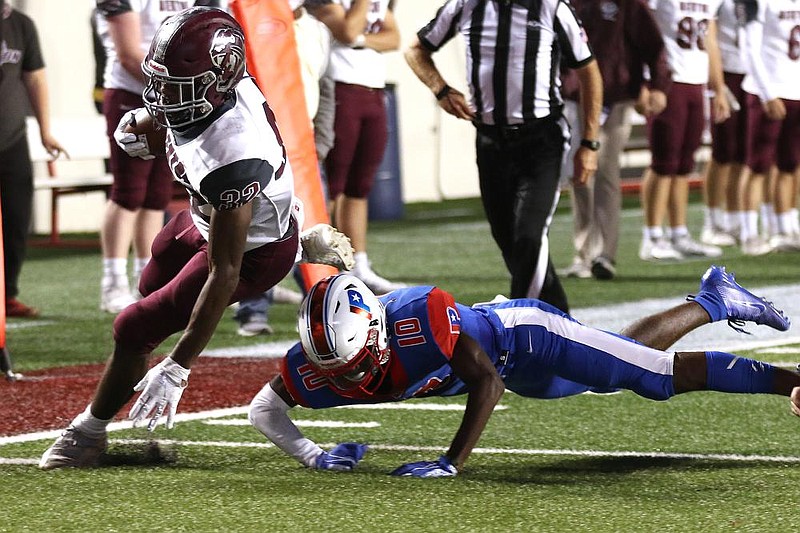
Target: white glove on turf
(133, 144)
(161, 388)
(326, 245)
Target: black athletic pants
(16, 202)
(519, 170)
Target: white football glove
(161, 388)
(134, 145)
(326, 245)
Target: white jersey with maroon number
(772, 45)
(684, 25)
(238, 158)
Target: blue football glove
(440, 468)
(344, 456)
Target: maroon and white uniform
(223, 168)
(772, 37)
(729, 137)
(676, 133)
(137, 183)
(233, 157)
(684, 25)
(360, 124)
(772, 48)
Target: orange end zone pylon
(272, 58)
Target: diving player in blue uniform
(357, 348)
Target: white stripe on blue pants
(556, 356)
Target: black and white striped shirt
(514, 51)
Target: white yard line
(494, 451)
(238, 411)
(298, 423)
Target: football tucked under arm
(326, 245)
(139, 135)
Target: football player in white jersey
(689, 29)
(142, 188)
(724, 170)
(238, 238)
(772, 47)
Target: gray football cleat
(73, 449)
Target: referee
(514, 51)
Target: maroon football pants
(172, 281)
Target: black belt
(510, 132)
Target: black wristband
(444, 92)
(590, 144)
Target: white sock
(749, 225)
(678, 232)
(90, 425)
(732, 223)
(362, 262)
(795, 215)
(769, 221)
(115, 270)
(717, 218)
(708, 216)
(652, 233)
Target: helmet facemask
(177, 102)
(195, 62)
(343, 333)
(363, 374)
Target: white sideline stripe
(298, 423)
(265, 350)
(20, 461)
(28, 324)
(438, 449)
(414, 406)
(116, 426)
(788, 350)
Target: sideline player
(690, 33)
(770, 43)
(356, 348)
(238, 238)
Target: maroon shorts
(676, 133)
(361, 134)
(772, 142)
(729, 138)
(172, 281)
(137, 183)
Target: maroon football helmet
(195, 61)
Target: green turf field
(700, 462)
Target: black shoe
(603, 268)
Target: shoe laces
(736, 324)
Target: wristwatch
(591, 145)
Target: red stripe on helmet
(319, 338)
